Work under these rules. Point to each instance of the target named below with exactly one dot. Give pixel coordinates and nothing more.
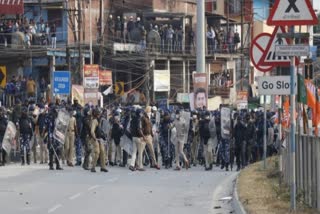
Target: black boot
(28, 159)
(22, 161)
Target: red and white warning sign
(257, 49)
(292, 12)
(269, 57)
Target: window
(55, 16)
(214, 5)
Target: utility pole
(101, 32)
(201, 58)
(79, 40)
(90, 32)
(242, 44)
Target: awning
(11, 7)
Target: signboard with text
(274, 85)
(105, 77)
(91, 76)
(61, 82)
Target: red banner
(105, 77)
(11, 7)
(90, 70)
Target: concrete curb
(236, 203)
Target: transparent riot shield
(225, 123)
(61, 126)
(9, 137)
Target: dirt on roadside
(260, 193)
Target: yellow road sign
(3, 76)
(119, 88)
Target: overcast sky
(316, 4)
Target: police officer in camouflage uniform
(26, 132)
(78, 144)
(167, 148)
(85, 134)
(54, 146)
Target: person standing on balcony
(230, 40)
(170, 33)
(124, 29)
(210, 40)
(130, 27)
(53, 32)
(118, 27)
(191, 41)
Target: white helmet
(154, 108)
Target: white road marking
(93, 187)
(131, 173)
(54, 208)
(112, 179)
(75, 196)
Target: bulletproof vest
(134, 127)
(25, 126)
(205, 130)
(99, 132)
(86, 127)
(3, 126)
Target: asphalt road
(34, 189)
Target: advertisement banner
(105, 77)
(91, 76)
(200, 86)
(161, 80)
(9, 136)
(61, 126)
(11, 7)
(91, 96)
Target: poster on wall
(105, 77)
(200, 86)
(161, 80)
(91, 76)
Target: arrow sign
(292, 12)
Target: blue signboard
(61, 82)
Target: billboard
(161, 80)
(200, 87)
(105, 77)
(91, 76)
(11, 7)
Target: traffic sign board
(269, 56)
(292, 50)
(275, 85)
(258, 47)
(119, 88)
(3, 76)
(61, 82)
(292, 12)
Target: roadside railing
(307, 168)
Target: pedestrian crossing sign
(269, 57)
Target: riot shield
(186, 116)
(126, 144)
(9, 137)
(225, 123)
(61, 126)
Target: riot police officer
(3, 127)
(26, 132)
(54, 146)
(85, 134)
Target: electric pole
(79, 40)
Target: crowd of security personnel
(136, 137)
